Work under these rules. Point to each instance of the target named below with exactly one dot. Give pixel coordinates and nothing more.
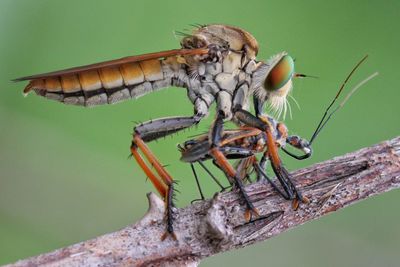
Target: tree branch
(213, 226)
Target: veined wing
(112, 81)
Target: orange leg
(263, 123)
(224, 164)
(164, 183)
(226, 167)
(160, 186)
(280, 171)
(152, 159)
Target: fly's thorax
(224, 36)
(219, 81)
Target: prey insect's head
(274, 81)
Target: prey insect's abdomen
(109, 84)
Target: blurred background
(65, 175)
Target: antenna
(326, 117)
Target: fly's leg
(281, 173)
(260, 172)
(272, 153)
(263, 166)
(263, 124)
(163, 183)
(226, 167)
(161, 179)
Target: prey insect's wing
(114, 80)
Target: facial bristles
(273, 82)
(278, 103)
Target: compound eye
(280, 74)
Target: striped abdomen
(107, 85)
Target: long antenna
(325, 118)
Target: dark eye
(280, 74)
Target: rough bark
(213, 226)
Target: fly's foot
(167, 233)
(250, 209)
(296, 202)
(169, 219)
(249, 212)
(305, 200)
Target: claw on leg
(249, 212)
(305, 200)
(295, 204)
(166, 234)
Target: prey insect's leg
(299, 143)
(223, 188)
(198, 184)
(163, 181)
(226, 167)
(246, 167)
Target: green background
(64, 172)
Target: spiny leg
(281, 173)
(263, 166)
(158, 184)
(162, 181)
(164, 184)
(260, 171)
(226, 167)
(299, 143)
(272, 152)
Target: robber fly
(216, 63)
(245, 143)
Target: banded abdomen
(107, 85)
(113, 81)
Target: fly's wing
(115, 80)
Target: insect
(216, 63)
(244, 143)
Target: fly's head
(273, 82)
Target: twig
(218, 225)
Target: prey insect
(243, 144)
(216, 63)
